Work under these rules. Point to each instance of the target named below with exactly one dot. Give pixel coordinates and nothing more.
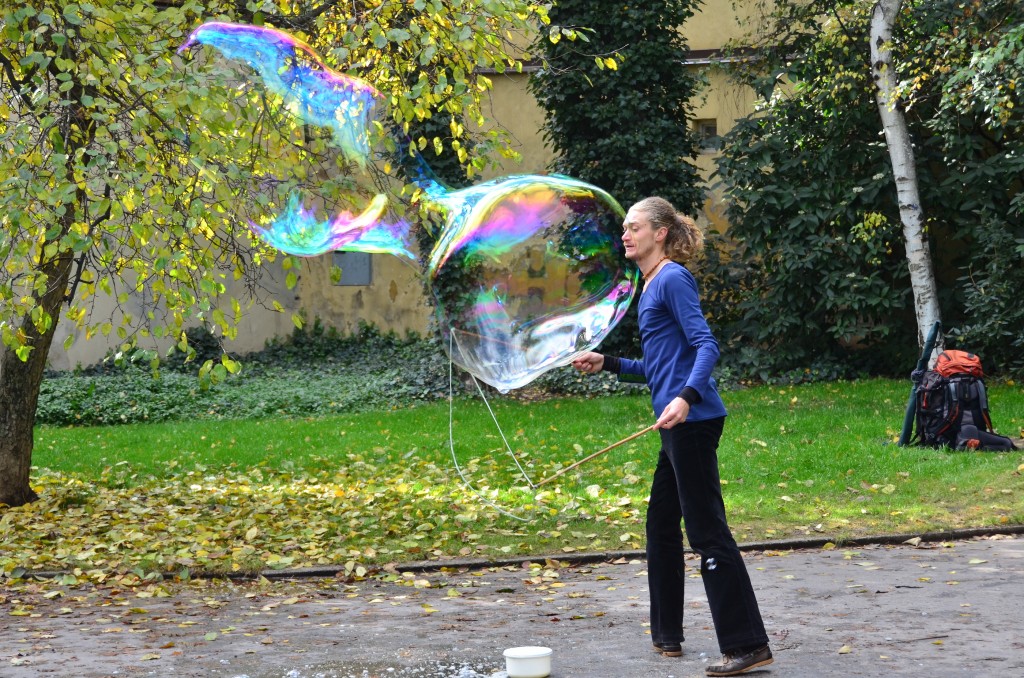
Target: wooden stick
(914, 640)
(599, 452)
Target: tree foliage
(980, 122)
(618, 116)
(98, 123)
(100, 127)
(812, 200)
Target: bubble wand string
(451, 447)
(598, 453)
(508, 447)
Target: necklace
(654, 268)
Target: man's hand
(675, 413)
(589, 363)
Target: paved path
(939, 609)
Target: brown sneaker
(735, 663)
(669, 649)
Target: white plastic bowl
(528, 662)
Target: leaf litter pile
(357, 517)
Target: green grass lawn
(376, 487)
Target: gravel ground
(936, 609)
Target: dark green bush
(314, 372)
(992, 324)
(813, 204)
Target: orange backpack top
(958, 362)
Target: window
(707, 135)
(356, 268)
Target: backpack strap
(985, 424)
(953, 390)
(982, 395)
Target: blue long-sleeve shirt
(678, 346)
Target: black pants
(686, 486)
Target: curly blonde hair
(685, 239)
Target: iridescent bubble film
(297, 231)
(289, 68)
(294, 144)
(547, 276)
(294, 151)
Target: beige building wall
(722, 103)
(514, 108)
(258, 324)
(394, 299)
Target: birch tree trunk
(901, 154)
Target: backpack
(952, 406)
(950, 363)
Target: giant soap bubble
(546, 279)
(293, 143)
(542, 271)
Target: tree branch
(294, 21)
(80, 263)
(17, 84)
